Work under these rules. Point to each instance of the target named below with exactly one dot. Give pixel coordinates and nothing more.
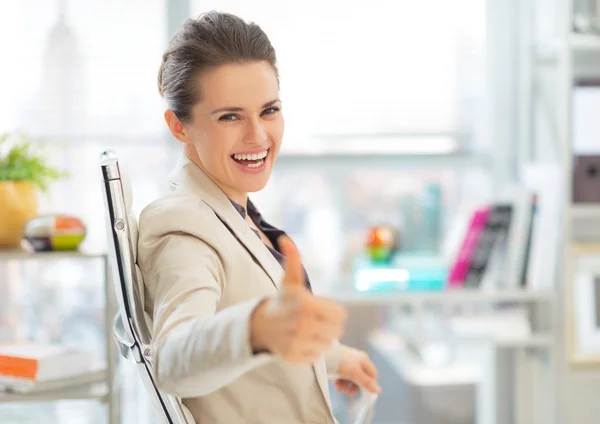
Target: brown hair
(212, 40)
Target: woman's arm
(196, 350)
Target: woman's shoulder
(176, 211)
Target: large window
(82, 77)
(383, 76)
(347, 68)
(81, 68)
(354, 69)
(356, 76)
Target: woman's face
(237, 127)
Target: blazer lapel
(188, 176)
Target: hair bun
(211, 40)
(161, 75)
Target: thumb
(294, 273)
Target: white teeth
(253, 156)
(255, 165)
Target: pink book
(461, 265)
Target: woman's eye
(270, 111)
(228, 117)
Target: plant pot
(18, 204)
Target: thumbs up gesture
(294, 324)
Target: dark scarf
(268, 230)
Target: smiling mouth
(253, 160)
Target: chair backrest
(132, 329)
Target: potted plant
(23, 171)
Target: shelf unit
(392, 348)
(103, 387)
(583, 42)
(388, 341)
(96, 391)
(579, 212)
(463, 296)
(563, 57)
(543, 341)
(551, 51)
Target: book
(492, 243)
(527, 253)
(546, 181)
(518, 242)
(97, 374)
(33, 362)
(462, 263)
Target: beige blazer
(204, 272)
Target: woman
(237, 332)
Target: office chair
(131, 326)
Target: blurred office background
(410, 118)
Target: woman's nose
(256, 134)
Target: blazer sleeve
(196, 349)
(332, 359)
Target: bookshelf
(561, 57)
(101, 384)
(403, 332)
(551, 51)
(95, 391)
(461, 296)
(584, 42)
(578, 212)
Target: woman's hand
(294, 324)
(355, 371)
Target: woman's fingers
(313, 328)
(328, 310)
(310, 324)
(369, 368)
(316, 316)
(347, 387)
(352, 390)
(363, 373)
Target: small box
(586, 179)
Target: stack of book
(27, 368)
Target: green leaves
(23, 163)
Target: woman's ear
(176, 127)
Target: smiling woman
(238, 333)
(239, 114)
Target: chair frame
(130, 331)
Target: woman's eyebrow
(239, 109)
(271, 103)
